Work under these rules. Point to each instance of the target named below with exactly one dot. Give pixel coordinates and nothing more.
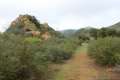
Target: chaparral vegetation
(29, 50)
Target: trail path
(81, 67)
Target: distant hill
(29, 25)
(84, 31)
(68, 32)
(115, 26)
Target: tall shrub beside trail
(19, 60)
(105, 51)
(57, 50)
(28, 58)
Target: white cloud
(3, 25)
(63, 14)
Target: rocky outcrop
(29, 25)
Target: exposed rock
(29, 25)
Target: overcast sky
(62, 14)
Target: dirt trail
(81, 67)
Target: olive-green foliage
(105, 32)
(57, 50)
(105, 51)
(19, 60)
(94, 33)
(83, 34)
(33, 40)
(25, 58)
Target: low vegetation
(57, 50)
(29, 48)
(20, 60)
(105, 51)
(25, 58)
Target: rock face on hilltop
(29, 25)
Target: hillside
(68, 33)
(76, 33)
(29, 25)
(115, 26)
(84, 32)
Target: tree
(94, 32)
(102, 32)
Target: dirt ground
(82, 67)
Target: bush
(105, 51)
(57, 50)
(24, 58)
(19, 60)
(33, 40)
(55, 54)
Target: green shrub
(33, 40)
(19, 60)
(106, 51)
(55, 54)
(24, 58)
(57, 50)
